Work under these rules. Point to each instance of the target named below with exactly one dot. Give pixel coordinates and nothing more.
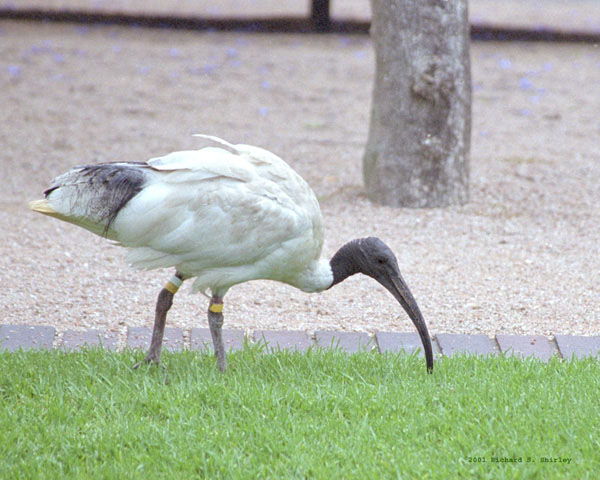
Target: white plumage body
(221, 215)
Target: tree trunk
(417, 153)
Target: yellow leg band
(173, 284)
(216, 307)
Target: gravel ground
(522, 257)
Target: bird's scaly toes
(149, 359)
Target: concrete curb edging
(37, 337)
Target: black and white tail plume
(91, 196)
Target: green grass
(323, 414)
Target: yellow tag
(171, 288)
(216, 307)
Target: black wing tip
(49, 191)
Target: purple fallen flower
(13, 71)
(505, 63)
(525, 83)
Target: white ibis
(222, 215)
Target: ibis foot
(149, 359)
(215, 322)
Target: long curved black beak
(398, 288)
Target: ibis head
(371, 256)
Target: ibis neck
(343, 263)
(316, 278)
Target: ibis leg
(215, 322)
(163, 304)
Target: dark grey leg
(163, 304)
(215, 322)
